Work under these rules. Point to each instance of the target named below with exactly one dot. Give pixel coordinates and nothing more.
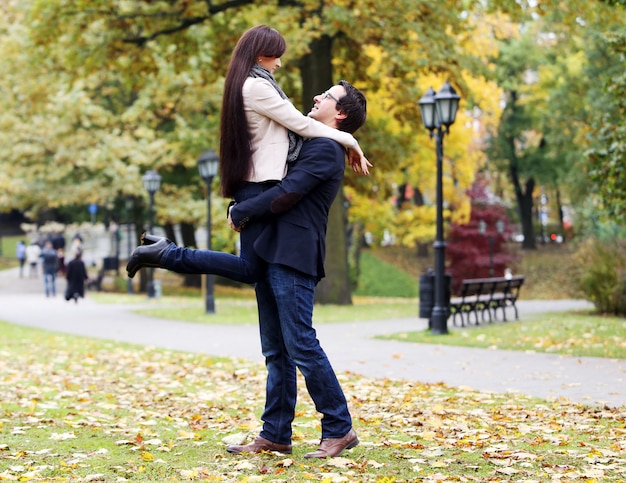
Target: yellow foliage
(98, 123)
(415, 163)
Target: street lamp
(207, 167)
(152, 183)
(482, 228)
(438, 114)
(129, 219)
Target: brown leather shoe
(331, 447)
(258, 445)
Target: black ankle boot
(147, 255)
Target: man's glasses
(328, 94)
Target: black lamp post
(438, 114)
(207, 167)
(482, 228)
(152, 183)
(129, 221)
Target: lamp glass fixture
(427, 107)
(447, 104)
(151, 181)
(208, 164)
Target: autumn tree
(471, 253)
(552, 76)
(607, 154)
(142, 80)
(98, 92)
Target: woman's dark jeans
(246, 268)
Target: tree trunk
(559, 205)
(335, 288)
(139, 229)
(317, 76)
(525, 205)
(170, 234)
(355, 241)
(524, 200)
(422, 250)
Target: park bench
(484, 296)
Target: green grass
(550, 270)
(382, 279)
(77, 409)
(570, 333)
(242, 309)
(7, 258)
(574, 334)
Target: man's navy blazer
(296, 209)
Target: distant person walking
(20, 253)
(33, 252)
(76, 275)
(76, 245)
(50, 262)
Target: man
(291, 218)
(293, 245)
(50, 264)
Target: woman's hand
(358, 161)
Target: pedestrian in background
(75, 245)
(33, 252)
(20, 252)
(76, 275)
(50, 264)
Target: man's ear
(340, 116)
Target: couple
(282, 225)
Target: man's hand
(358, 161)
(230, 220)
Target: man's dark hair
(354, 105)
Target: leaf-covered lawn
(76, 409)
(569, 333)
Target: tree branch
(184, 23)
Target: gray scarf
(295, 140)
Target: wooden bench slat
(486, 295)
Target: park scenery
(474, 298)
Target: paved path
(350, 346)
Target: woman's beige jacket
(269, 116)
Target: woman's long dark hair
(235, 149)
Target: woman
(76, 275)
(259, 126)
(260, 132)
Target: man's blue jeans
(49, 280)
(288, 340)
